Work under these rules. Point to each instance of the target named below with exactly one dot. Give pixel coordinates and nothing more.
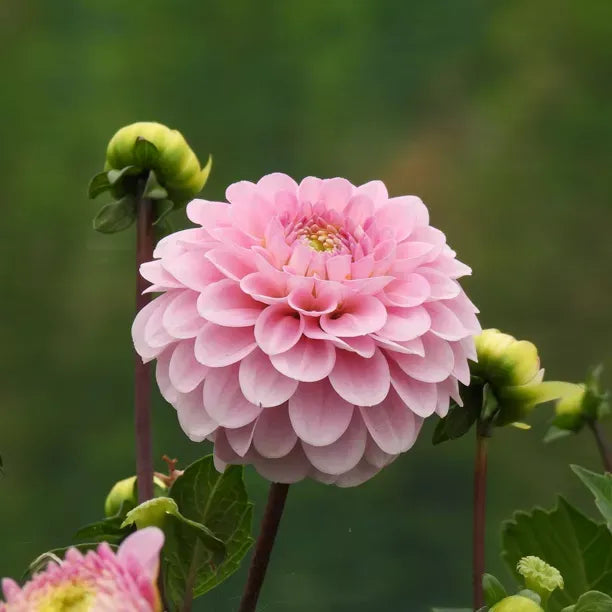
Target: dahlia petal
(184, 371)
(144, 546)
(359, 208)
(208, 214)
(224, 452)
(441, 286)
(266, 287)
(276, 246)
(270, 184)
(391, 424)
(314, 301)
(420, 397)
(336, 192)
(364, 346)
(192, 269)
(181, 318)
(327, 479)
(224, 400)
(376, 191)
(338, 267)
(357, 317)
(466, 311)
(300, 260)
(308, 361)
(450, 386)
(139, 326)
(224, 303)
(217, 346)
(10, 589)
(162, 376)
(234, 236)
(232, 262)
(362, 472)
(363, 267)
(435, 366)
(408, 347)
(343, 454)
(469, 348)
(419, 211)
(263, 384)
(240, 438)
(375, 456)
(444, 322)
(318, 415)
(408, 292)
(220, 465)
(405, 323)
(155, 273)
(193, 417)
(399, 216)
(278, 328)
(310, 189)
(274, 437)
(363, 382)
(289, 469)
(461, 370)
(368, 286)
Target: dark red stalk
(480, 499)
(602, 444)
(142, 371)
(263, 547)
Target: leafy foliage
(593, 601)
(601, 487)
(563, 537)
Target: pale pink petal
(234, 262)
(162, 376)
(309, 360)
(441, 286)
(418, 210)
(376, 191)
(362, 472)
(278, 328)
(338, 267)
(405, 323)
(411, 291)
(193, 417)
(359, 209)
(225, 303)
(266, 287)
(318, 414)
(144, 547)
(270, 184)
(437, 364)
(217, 346)
(208, 214)
(375, 456)
(391, 424)
(240, 438)
(274, 436)
(343, 454)
(185, 372)
(408, 347)
(420, 397)
(310, 190)
(364, 346)
(155, 273)
(444, 322)
(313, 301)
(181, 318)
(224, 400)
(141, 343)
(398, 216)
(363, 382)
(461, 371)
(355, 317)
(261, 383)
(193, 270)
(289, 469)
(336, 193)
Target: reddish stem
(142, 371)
(602, 444)
(480, 497)
(263, 548)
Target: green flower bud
(516, 603)
(569, 413)
(511, 368)
(125, 492)
(151, 513)
(539, 577)
(176, 166)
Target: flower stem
(142, 371)
(263, 548)
(480, 498)
(602, 444)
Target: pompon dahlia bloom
(99, 581)
(307, 329)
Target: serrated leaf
(153, 189)
(116, 216)
(601, 487)
(146, 153)
(593, 601)
(566, 539)
(220, 502)
(98, 184)
(493, 589)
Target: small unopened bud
(539, 577)
(516, 603)
(511, 368)
(125, 492)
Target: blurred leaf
(456, 423)
(161, 208)
(453, 610)
(593, 601)
(220, 502)
(493, 589)
(145, 153)
(108, 529)
(116, 216)
(601, 487)
(563, 537)
(153, 189)
(555, 433)
(529, 594)
(115, 175)
(99, 184)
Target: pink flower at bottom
(307, 329)
(99, 581)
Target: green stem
(602, 444)
(480, 496)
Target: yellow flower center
(321, 238)
(67, 597)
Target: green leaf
(556, 433)
(601, 487)
(220, 502)
(161, 208)
(98, 184)
(114, 175)
(153, 189)
(563, 537)
(456, 423)
(116, 216)
(107, 530)
(493, 589)
(593, 601)
(145, 153)
(452, 610)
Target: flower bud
(539, 577)
(569, 413)
(175, 165)
(151, 513)
(126, 491)
(511, 368)
(516, 603)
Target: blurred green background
(498, 114)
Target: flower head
(100, 580)
(539, 576)
(308, 330)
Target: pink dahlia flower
(307, 329)
(99, 581)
